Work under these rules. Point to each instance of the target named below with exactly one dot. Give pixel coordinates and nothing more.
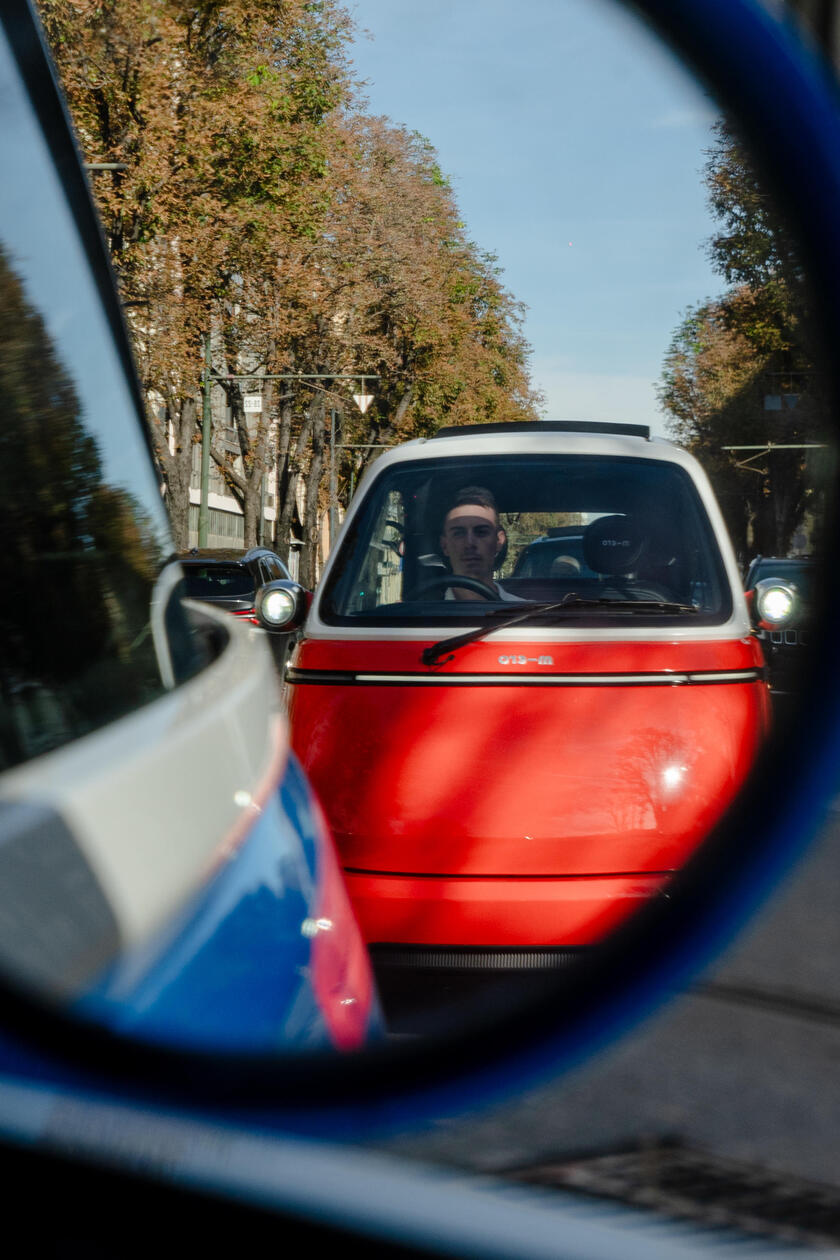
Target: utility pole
(204, 502)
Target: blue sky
(574, 143)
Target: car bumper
(536, 912)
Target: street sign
(253, 402)
(363, 401)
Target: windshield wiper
(633, 605)
(500, 620)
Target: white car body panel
(208, 751)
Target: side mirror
(773, 603)
(281, 605)
(789, 115)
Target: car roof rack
(546, 426)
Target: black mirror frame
(785, 100)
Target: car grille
(464, 959)
(423, 989)
(790, 638)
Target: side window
(83, 530)
(380, 578)
(275, 569)
(699, 579)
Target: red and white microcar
(514, 751)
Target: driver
(471, 539)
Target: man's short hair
(479, 495)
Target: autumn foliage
(245, 193)
(741, 369)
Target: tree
(210, 113)
(68, 532)
(753, 252)
(254, 199)
(389, 287)
(398, 291)
(733, 359)
(712, 386)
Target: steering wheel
(456, 579)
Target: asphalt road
(744, 1068)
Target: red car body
(522, 811)
(530, 789)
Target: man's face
(471, 540)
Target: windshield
(458, 539)
(217, 581)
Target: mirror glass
(499, 819)
(536, 669)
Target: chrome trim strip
(349, 678)
(727, 675)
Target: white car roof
(539, 438)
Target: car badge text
(526, 660)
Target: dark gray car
(229, 579)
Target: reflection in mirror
(83, 537)
(531, 679)
(540, 639)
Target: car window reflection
(78, 559)
(83, 530)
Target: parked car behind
(230, 580)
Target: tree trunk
(177, 466)
(282, 524)
(309, 552)
(179, 517)
(254, 447)
(386, 431)
(786, 480)
(251, 505)
(293, 470)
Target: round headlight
(775, 603)
(278, 607)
